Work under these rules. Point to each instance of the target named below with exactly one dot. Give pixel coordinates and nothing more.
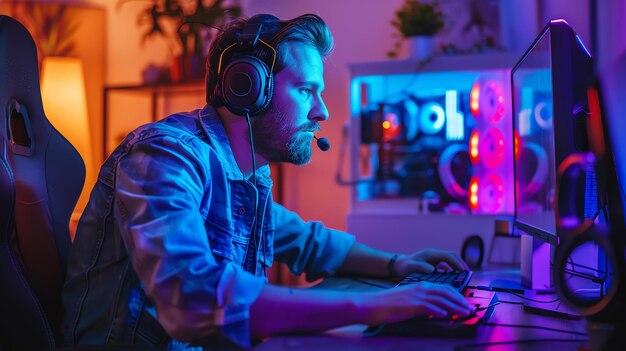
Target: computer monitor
(549, 85)
(550, 104)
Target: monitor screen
(549, 110)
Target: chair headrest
(20, 78)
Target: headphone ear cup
(246, 86)
(269, 94)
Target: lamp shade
(65, 105)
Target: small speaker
(473, 251)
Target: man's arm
(363, 260)
(308, 247)
(311, 248)
(282, 310)
(160, 184)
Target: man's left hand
(428, 260)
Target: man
(172, 249)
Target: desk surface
(523, 327)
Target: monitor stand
(535, 264)
(537, 302)
(536, 272)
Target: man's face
(284, 132)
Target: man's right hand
(412, 300)
(286, 310)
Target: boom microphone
(322, 143)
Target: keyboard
(457, 279)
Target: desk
(350, 338)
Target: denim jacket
(174, 242)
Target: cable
(511, 302)
(513, 342)
(199, 22)
(574, 273)
(251, 147)
(256, 191)
(491, 324)
(529, 299)
(495, 288)
(595, 270)
(487, 288)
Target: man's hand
(419, 299)
(280, 310)
(428, 260)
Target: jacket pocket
(225, 244)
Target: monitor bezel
(566, 141)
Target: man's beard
(277, 140)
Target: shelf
(442, 63)
(159, 88)
(155, 90)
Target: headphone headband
(219, 64)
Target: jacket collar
(212, 125)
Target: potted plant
(418, 22)
(191, 25)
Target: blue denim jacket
(165, 251)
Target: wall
(362, 33)
(575, 12)
(611, 33)
(310, 190)
(610, 37)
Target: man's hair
(309, 29)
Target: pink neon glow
(491, 193)
(487, 100)
(492, 148)
(474, 98)
(473, 146)
(473, 194)
(492, 102)
(516, 146)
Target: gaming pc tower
(428, 150)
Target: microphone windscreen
(323, 144)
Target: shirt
(175, 241)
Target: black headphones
(246, 84)
(605, 302)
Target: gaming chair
(41, 177)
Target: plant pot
(421, 46)
(187, 68)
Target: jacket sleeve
(308, 247)
(159, 188)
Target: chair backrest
(41, 177)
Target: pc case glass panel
(441, 138)
(534, 133)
